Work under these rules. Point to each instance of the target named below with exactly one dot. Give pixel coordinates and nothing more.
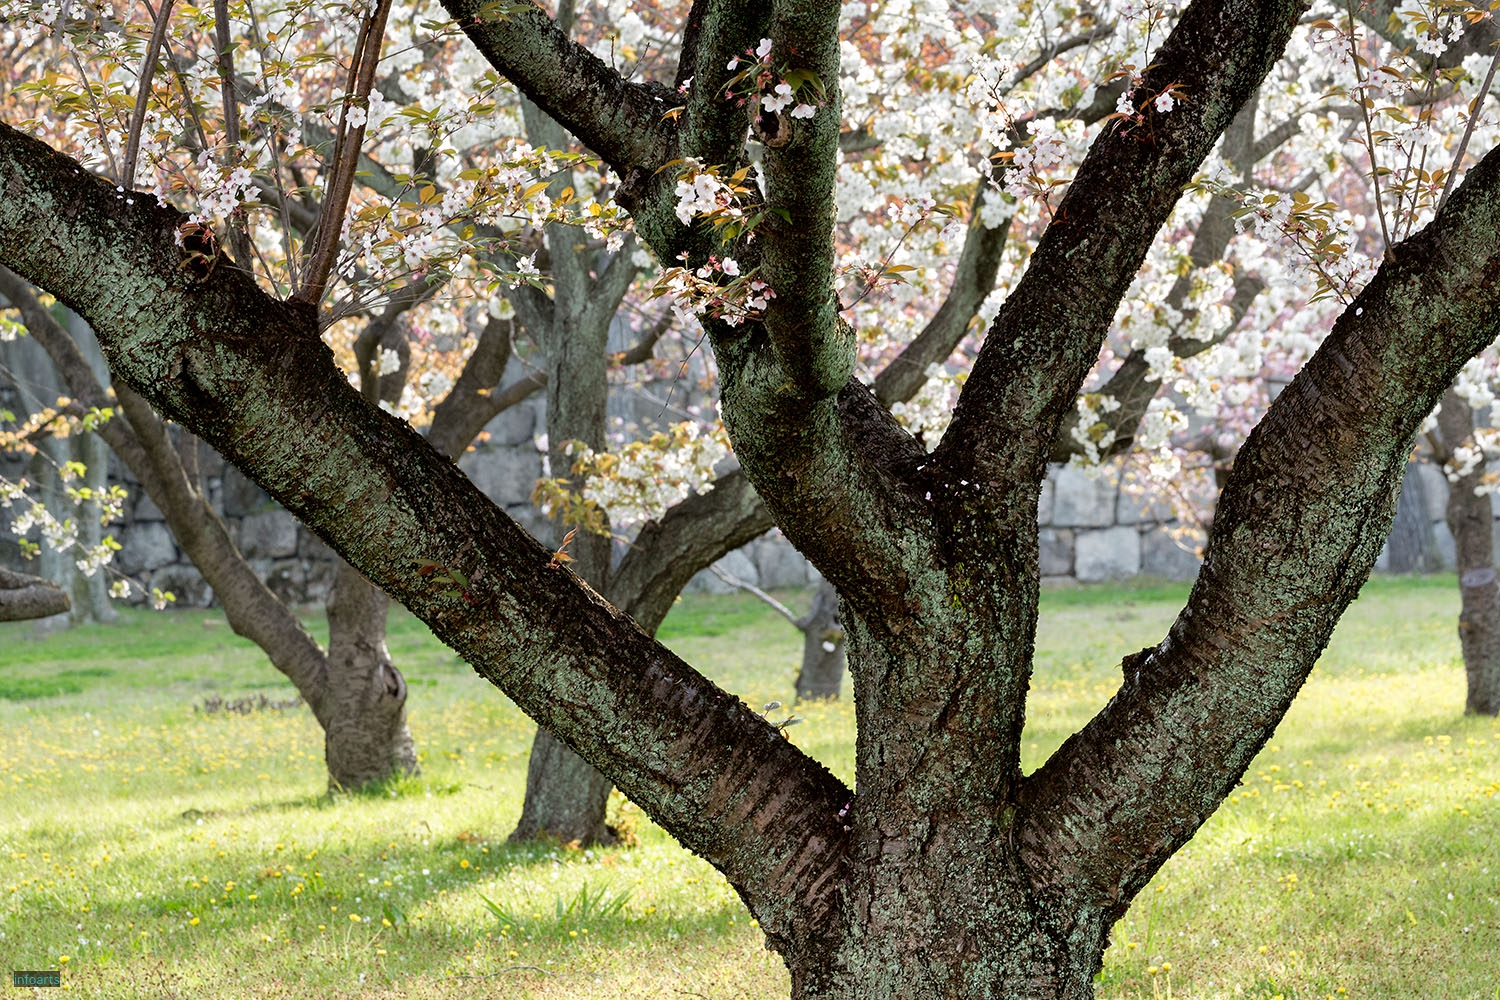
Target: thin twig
(143, 94)
(508, 968)
(751, 588)
(346, 158)
(1364, 112)
(239, 239)
(83, 80)
(1463, 144)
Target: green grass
(168, 852)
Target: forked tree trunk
(823, 651)
(986, 934)
(1472, 523)
(366, 738)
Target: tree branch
(692, 534)
(812, 347)
(251, 377)
(1296, 531)
(620, 121)
(23, 596)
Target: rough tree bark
(950, 874)
(1472, 523)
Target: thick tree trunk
(986, 933)
(823, 652)
(366, 738)
(1472, 523)
(565, 796)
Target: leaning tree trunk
(366, 737)
(1472, 523)
(823, 652)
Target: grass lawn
(152, 850)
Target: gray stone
(146, 510)
(505, 475)
(1161, 556)
(1055, 551)
(1434, 490)
(777, 563)
(268, 535)
(1107, 554)
(1044, 504)
(146, 546)
(241, 496)
(1083, 501)
(319, 579)
(313, 548)
(210, 463)
(287, 579)
(1150, 506)
(515, 425)
(736, 564)
(185, 583)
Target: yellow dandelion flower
(63, 960)
(193, 922)
(354, 918)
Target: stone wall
(1090, 529)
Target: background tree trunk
(566, 797)
(823, 650)
(1472, 523)
(1412, 548)
(91, 601)
(366, 738)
